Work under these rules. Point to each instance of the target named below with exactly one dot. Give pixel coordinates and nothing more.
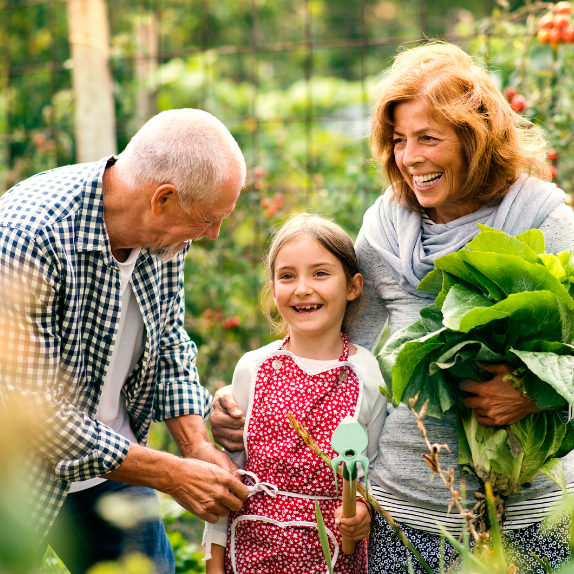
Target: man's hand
(497, 402)
(357, 527)
(205, 489)
(227, 421)
(201, 487)
(191, 437)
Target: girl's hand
(357, 527)
(497, 402)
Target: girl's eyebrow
(321, 264)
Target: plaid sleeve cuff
(178, 398)
(110, 452)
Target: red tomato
(232, 323)
(542, 36)
(546, 22)
(518, 103)
(567, 34)
(552, 155)
(553, 172)
(554, 36)
(563, 8)
(510, 92)
(561, 20)
(265, 202)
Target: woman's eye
(321, 274)
(429, 139)
(397, 141)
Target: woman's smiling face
(430, 158)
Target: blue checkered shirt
(59, 315)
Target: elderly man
(92, 304)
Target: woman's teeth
(427, 180)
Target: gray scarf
(408, 246)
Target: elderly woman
(456, 155)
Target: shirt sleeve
(36, 381)
(241, 384)
(367, 328)
(178, 391)
(558, 230)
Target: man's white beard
(167, 253)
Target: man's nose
(212, 232)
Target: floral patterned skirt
(387, 555)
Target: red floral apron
(276, 530)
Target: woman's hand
(357, 527)
(497, 402)
(227, 421)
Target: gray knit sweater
(399, 467)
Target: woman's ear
(355, 287)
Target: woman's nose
(411, 155)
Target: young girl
(319, 376)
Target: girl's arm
(216, 564)
(215, 535)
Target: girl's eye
(321, 274)
(286, 276)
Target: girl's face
(431, 160)
(310, 288)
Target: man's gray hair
(188, 148)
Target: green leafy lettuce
(500, 300)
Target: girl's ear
(355, 287)
(272, 289)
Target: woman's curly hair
(498, 143)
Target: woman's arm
(366, 330)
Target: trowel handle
(349, 510)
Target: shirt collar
(91, 233)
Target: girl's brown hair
(498, 143)
(332, 238)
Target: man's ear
(355, 287)
(162, 196)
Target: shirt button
(107, 338)
(343, 375)
(276, 364)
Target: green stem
(315, 449)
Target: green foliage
(323, 537)
(500, 301)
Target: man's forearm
(141, 468)
(191, 437)
(189, 434)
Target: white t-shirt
(125, 355)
